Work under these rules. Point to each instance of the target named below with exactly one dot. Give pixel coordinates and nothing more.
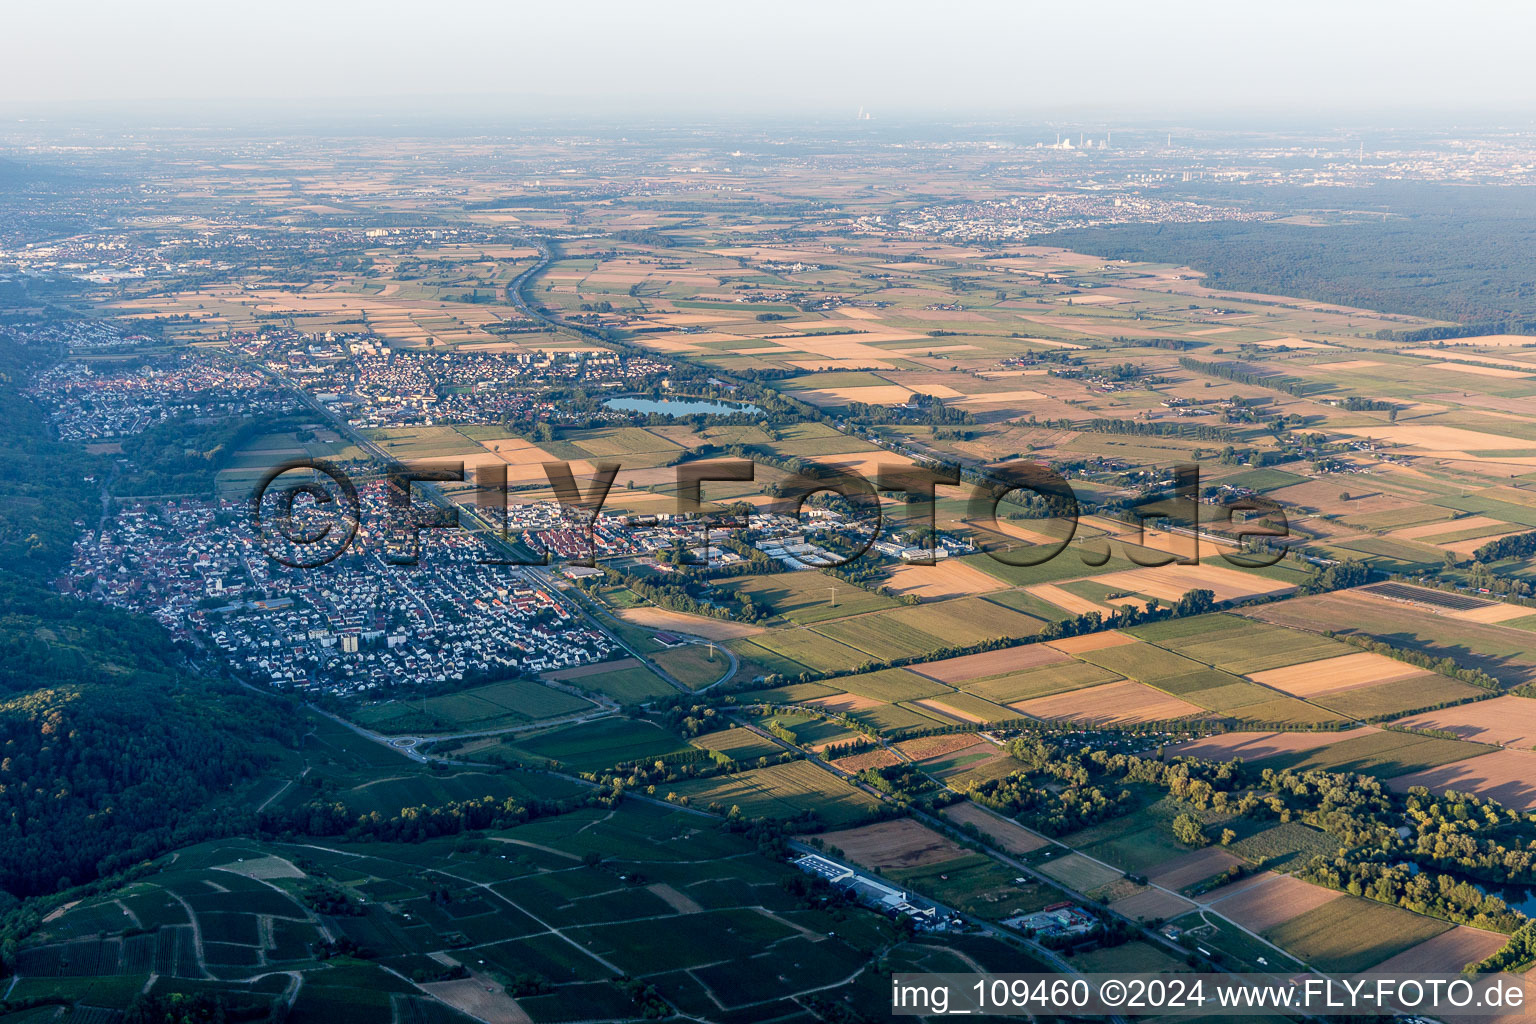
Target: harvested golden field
(863, 465)
(1079, 872)
(1010, 835)
(1255, 746)
(1506, 721)
(681, 622)
(1171, 582)
(843, 703)
(1192, 867)
(902, 843)
(925, 748)
(1485, 371)
(1152, 904)
(1490, 341)
(888, 394)
(1092, 642)
(1444, 442)
(1446, 953)
(880, 757)
(1064, 600)
(977, 714)
(1314, 677)
(1491, 612)
(990, 663)
(1001, 397)
(949, 578)
(1452, 526)
(1109, 704)
(1275, 899)
(479, 996)
(595, 668)
(1504, 775)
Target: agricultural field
(782, 791)
(592, 746)
(1079, 872)
(694, 665)
(1448, 953)
(807, 597)
(1506, 653)
(737, 744)
(1351, 934)
(482, 707)
(1259, 746)
(1503, 721)
(1382, 754)
(484, 905)
(1110, 703)
(977, 885)
(1502, 775)
(893, 845)
(1268, 900)
(855, 315)
(1009, 835)
(1141, 841)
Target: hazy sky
(1177, 59)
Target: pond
(1516, 895)
(679, 406)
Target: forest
(1442, 252)
(110, 749)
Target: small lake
(1516, 895)
(679, 406)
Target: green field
(783, 791)
(738, 744)
(1238, 950)
(892, 685)
(481, 707)
(1399, 697)
(635, 684)
(693, 665)
(966, 620)
(806, 597)
(881, 636)
(1143, 662)
(1039, 682)
(1280, 845)
(895, 719)
(805, 647)
(1508, 655)
(976, 884)
(1351, 934)
(1382, 754)
(1239, 645)
(592, 746)
(1280, 712)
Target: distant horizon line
(469, 110)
